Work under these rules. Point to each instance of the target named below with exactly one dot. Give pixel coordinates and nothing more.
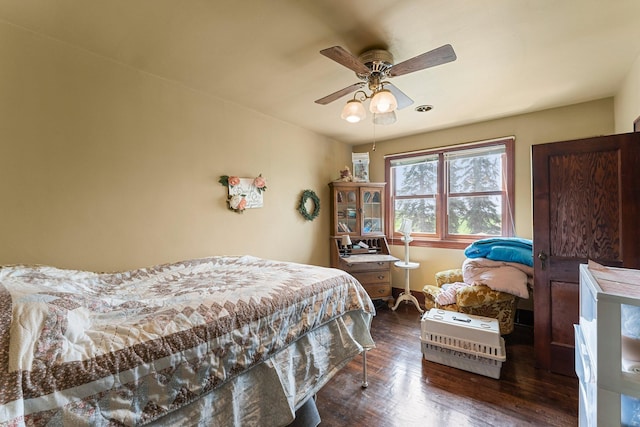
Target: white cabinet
(609, 385)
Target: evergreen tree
(465, 214)
(457, 209)
(479, 174)
(418, 179)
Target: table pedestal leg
(406, 295)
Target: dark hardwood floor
(407, 390)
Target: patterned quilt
(126, 348)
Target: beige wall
(627, 105)
(104, 167)
(577, 121)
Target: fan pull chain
(374, 137)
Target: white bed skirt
(270, 393)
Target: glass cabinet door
(372, 211)
(347, 211)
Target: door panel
(583, 194)
(585, 205)
(563, 311)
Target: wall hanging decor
(360, 167)
(244, 193)
(302, 207)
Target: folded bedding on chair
(510, 249)
(510, 277)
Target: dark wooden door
(586, 198)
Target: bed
(211, 341)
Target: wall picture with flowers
(244, 193)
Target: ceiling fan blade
(343, 57)
(437, 56)
(401, 97)
(339, 94)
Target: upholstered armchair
(479, 300)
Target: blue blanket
(509, 249)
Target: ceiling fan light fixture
(383, 101)
(384, 118)
(353, 111)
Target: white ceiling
(514, 56)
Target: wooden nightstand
(372, 268)
(372, 271)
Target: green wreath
(302, 208)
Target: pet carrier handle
(462, 320)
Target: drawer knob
(381, 277)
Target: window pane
(475, 215)
(422, 212)
(453, 194)
(474, 174)
(416, 179)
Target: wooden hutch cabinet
(358, 211)
(358, 208)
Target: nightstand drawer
(364, 266)
(382, 276)
(378, 290)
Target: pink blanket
(449, 291)
(510, 277)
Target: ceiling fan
(374, 67)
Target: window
(453, 195)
